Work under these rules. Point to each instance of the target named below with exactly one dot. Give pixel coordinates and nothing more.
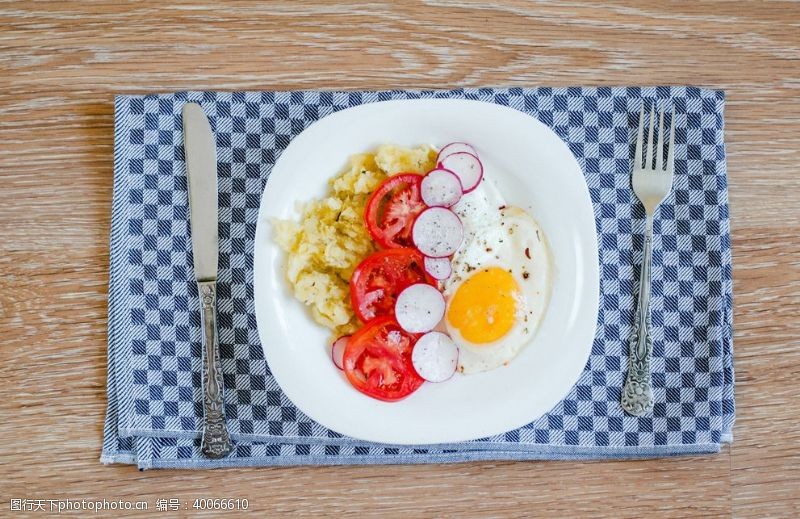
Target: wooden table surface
(62, 63)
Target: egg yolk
(483, 308)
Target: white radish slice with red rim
(454, 147)
(467, 167)
(437, 232)
(439, 268)
(440, 188)
(435, 357)
(419, 308)
(337, 350)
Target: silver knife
(201, 166)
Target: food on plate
(392, 209)
(377, 360)
(439, 268)
(435, 357)
(467, 167)
(498, 291)
(337, 350)
(419, 266)
(440, 188)
(455, 147)
(330, 239)
(419, 308)
(437, 232)
(379, 279)
(500, 282)
(393, 159)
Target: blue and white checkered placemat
(154, 411)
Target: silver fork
(651, 185)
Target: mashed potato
(331, 239)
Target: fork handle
(216, 442)
(637, 395)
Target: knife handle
(216, 442)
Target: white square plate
(533, 169)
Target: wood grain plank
(62, 63)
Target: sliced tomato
(380, 277)
(377, 361)
(392, 208)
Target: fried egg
(499, 288)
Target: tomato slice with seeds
(392, 209)
(377, 361)
(380, 277)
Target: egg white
(496, 235)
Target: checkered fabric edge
(153, 413)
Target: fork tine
(671, 156)
(650, 139)
(660, 143)
(638, 159)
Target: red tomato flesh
(392, 209)
(380, 277)
(377, 361)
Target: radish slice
(439, 268)
(419, 308)
(467, 167)
(440, 187)
(455, 147)
(337, 351)
(435, 357)
(437, 232)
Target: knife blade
(201, 170)
(201, 165)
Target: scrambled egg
(331, 238)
